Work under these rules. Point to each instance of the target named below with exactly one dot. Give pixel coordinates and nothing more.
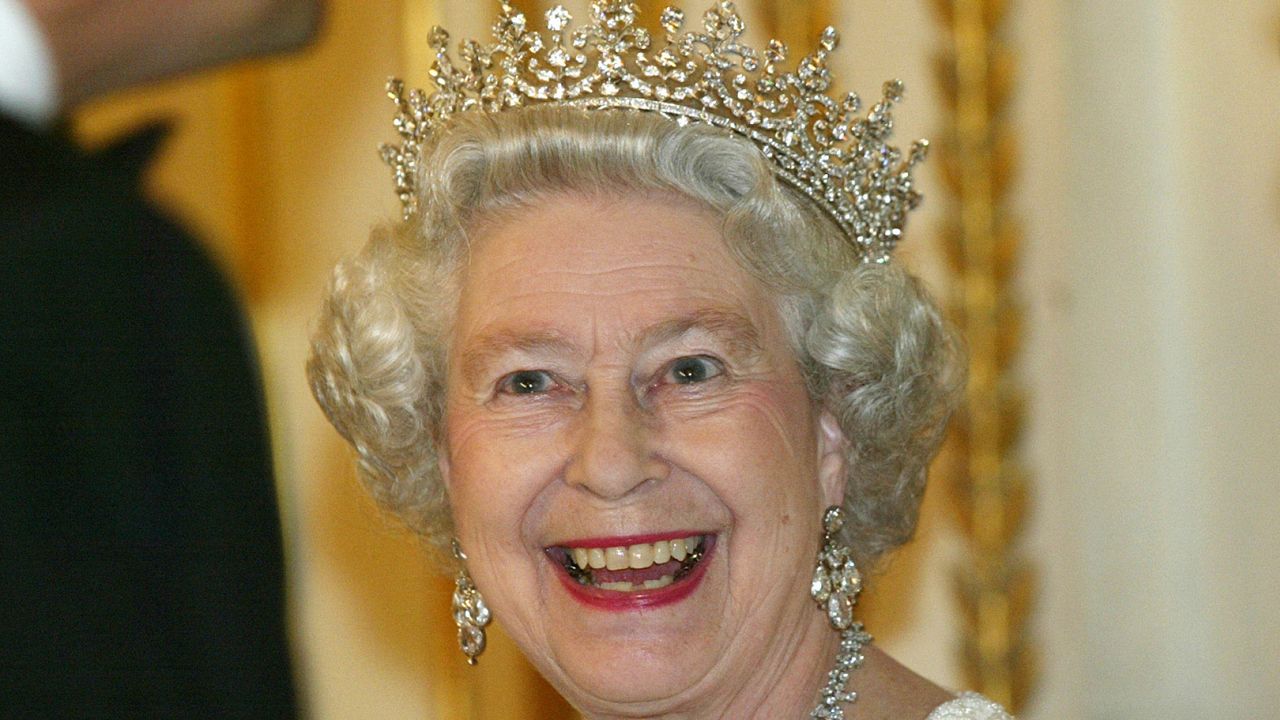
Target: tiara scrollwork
(819, 145)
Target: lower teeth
(624, 586)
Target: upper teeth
(638, 556)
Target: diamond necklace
(835, 695)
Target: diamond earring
(836, 580)
(469, 610)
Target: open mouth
(636, 568)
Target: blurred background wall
(1147, 187)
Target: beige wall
(1154, 275)
(1150, 191)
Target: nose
(614, 450)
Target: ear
(832, 446)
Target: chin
(644, 677)
(645, 648)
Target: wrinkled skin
(613, 371)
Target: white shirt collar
(28, 79)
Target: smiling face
(616, 380)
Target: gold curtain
(798, 24)
(995, 584)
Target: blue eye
(689, 370)
(526, 382)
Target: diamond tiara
(819, 145)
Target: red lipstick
(628, 540)
(628, 601)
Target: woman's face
(621, 393)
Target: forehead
(570, 263)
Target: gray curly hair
(873, 347)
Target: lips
(620, 574)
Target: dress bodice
(969, 706)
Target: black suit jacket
(141, 570)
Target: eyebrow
(732, 328)
(491, 347)
(739, 334)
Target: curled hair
(873, 347)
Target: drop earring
(836, 580)
(470, 612)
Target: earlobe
(832, 446)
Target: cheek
(758, 450)
(482, 481)
(496, 473)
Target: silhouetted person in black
(141, 569)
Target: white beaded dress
(969, 706)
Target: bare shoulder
(889, 690)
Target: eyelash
(508, 385)
(710, 366)
(516, 383)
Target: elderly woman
(637, 354)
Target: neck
(790, 683)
